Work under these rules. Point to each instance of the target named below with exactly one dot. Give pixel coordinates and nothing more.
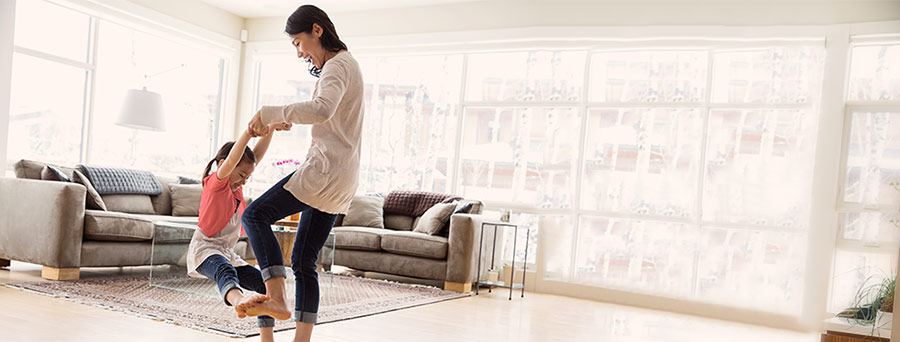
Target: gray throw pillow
(462, 207)
(93, 200)
(185, 199)
(188, 180)
(365, 211)
(50, 173)
(434, 218)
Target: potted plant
(873, 305)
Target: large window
(869, 202)
(67, 93)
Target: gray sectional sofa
(47, 223)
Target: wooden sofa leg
(4, 263)
(457, 287)
(53, 273)
(252, 262)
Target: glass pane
(759, 167)
(524, 220)
(760, 270)
(525, 76)
(557, 241)
(48, 131)
(282, 79)
(875, 73)
(648, 76)
(410, 124)
(873, 159)
(637, 256)
(643, 161)
(852, 270)
(189, 81)
(53, 29)
(522, 155)
(774, 75)
(873, 229)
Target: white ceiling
(284, 8)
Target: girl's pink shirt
(218, 204)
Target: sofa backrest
(30, 169)
(162, 203)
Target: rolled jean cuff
(227, 287)
(265, 322)
(273, 271)
(305, 317)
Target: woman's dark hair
(302, 20)
(248, 157)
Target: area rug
(178, 299)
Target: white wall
(192, 11)
(504, 14)
(7, 28)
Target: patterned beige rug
(195, 303)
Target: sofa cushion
(185, 199)
(93, 199)
(171, 232)
(398, 222)
(168, 218)
(113, 226)
(162, 203)
(32, 169)
(51, 173)
(133, 204)
(359, 238)
(365, 211)
(415, 244)
(462, 207)
(435, 218)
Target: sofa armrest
(41, 222)
(462, 253)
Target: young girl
(211, 252)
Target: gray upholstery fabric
(185, 199)
(359, 238)
(113, 226)
(162, 203)
(384, 262)
(398, 222)
(115, 181)
(415, 244)
(365, 211)
(30, 169)
(93, 199)
(164, 234)
(465, 230)
(132, 204)
(434, 218)
(41, 222)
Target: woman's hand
(286, 126)
(255, 127)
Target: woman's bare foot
(274, 307)
(249, 301)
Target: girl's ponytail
(206, 171)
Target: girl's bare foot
(248, 301)
(274, 307)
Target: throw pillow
(462, 207)
(51, 173)
(434, 218)
(188, 180)
(185, 199)
(365, 211)
(93, 200)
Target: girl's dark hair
(302, 20)
(248, 157)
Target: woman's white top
(328, 179)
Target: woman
(324, 184)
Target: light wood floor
(488, 317)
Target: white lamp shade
(142, 109)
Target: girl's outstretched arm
(263, 144)
(234, 157)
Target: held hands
(257, 129)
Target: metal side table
(512, 284)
